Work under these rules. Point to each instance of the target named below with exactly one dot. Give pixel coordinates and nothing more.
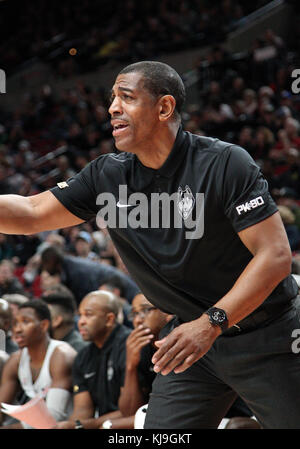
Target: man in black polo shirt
(216, 256)
(99, 368)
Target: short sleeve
(79, 382)
(243, 190)
(79, 193)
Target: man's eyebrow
(123, 89)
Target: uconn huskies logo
(186, 202)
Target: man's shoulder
(86, 353)
(62, 351)
(206, 150)
(75, 340)
(210, 144)
(122, 333)
(113, 159)
(13, 362)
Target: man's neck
(38, 351)
(60, 332)
(161, 147)
(101, 339)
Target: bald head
(106, 300)
(98, 316)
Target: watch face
(219, 316)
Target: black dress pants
(261, 366)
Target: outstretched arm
(33, 214)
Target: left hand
(185, 345)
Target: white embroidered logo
(123, 205)
(250, 205)
(110, 370)
(88, 375)
(62, 185)
(185, 202)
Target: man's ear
(56, 321)
(110, 319)
(167, 105)
(45, 325)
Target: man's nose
(16, 328)
(139, 320)
(115, 107)
(81, 321)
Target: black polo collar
(110, 339)
(175, 157)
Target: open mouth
(119, 129)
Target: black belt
(256, 318)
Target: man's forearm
(16, 215)
(95, 423)
(122, 423)
(254, 285)
(33, 214)
(132, 396)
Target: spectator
(148, 321)
(98, 371)
(116, 287)
(5, 325)
(81, 275)
(288, 197)
(9, 283)
(292, 230)
(62, 306)
(262, 144)
(15, 300)
(83, 246)
(48, 281)
(42, 363)
(6, 247)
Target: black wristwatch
(218, 317)
(78, 424)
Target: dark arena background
(240, 63)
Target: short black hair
(160, 79)
(51, 254)
(40, 307)
(62, 297)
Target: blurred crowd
(246, 100)
(120, 30)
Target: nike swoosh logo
(123, 205)
(88, 375)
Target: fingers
(139, 337)
(175, 354)
(167, 364)
(170, 354)
(192, 358)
